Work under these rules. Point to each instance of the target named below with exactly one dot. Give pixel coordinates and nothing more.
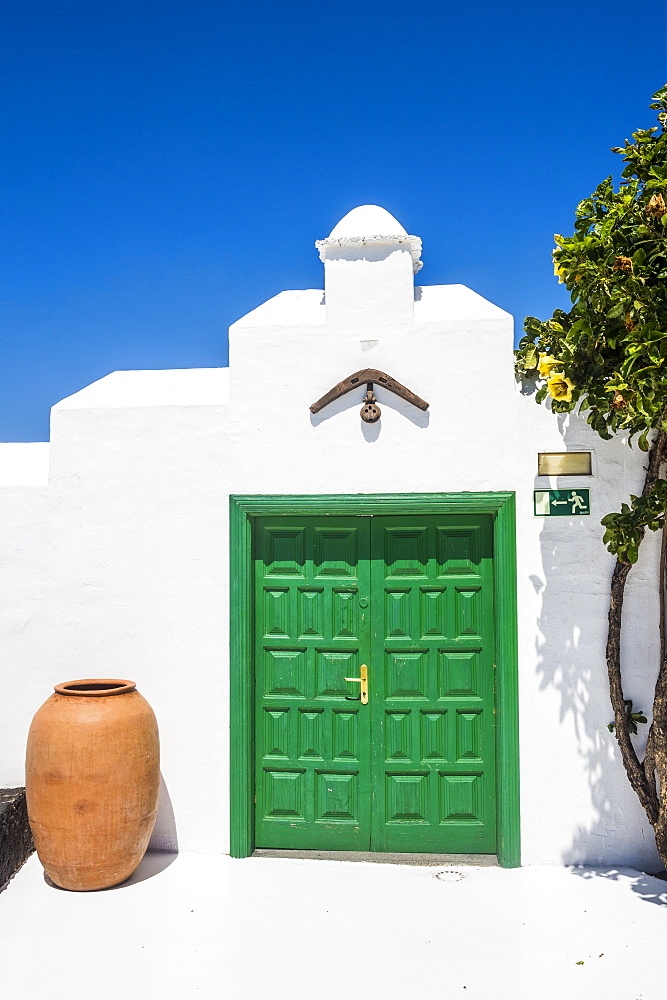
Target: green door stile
(422, 589)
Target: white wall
(119, 567)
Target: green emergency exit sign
(561, 503)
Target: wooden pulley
(370, 411)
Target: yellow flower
(560, 387)
(547, 364)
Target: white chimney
(369, 267)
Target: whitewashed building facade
(206, 534)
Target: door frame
(501, 506)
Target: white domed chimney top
(370, 225)
(367, 220)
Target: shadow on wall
(164, 837)
(572, 632)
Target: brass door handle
(363, 680)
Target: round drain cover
(449, 875)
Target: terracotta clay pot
(92, 780)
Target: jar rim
(95, 687)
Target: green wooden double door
(413, 770)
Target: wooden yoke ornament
(370, 411)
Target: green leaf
(606, 228)
(531, 356)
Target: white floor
(210, 927)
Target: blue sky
(167, 165)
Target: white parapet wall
(119, 565)
(24, 464)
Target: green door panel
(432, 676)
(312, 578)
(411, 597)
